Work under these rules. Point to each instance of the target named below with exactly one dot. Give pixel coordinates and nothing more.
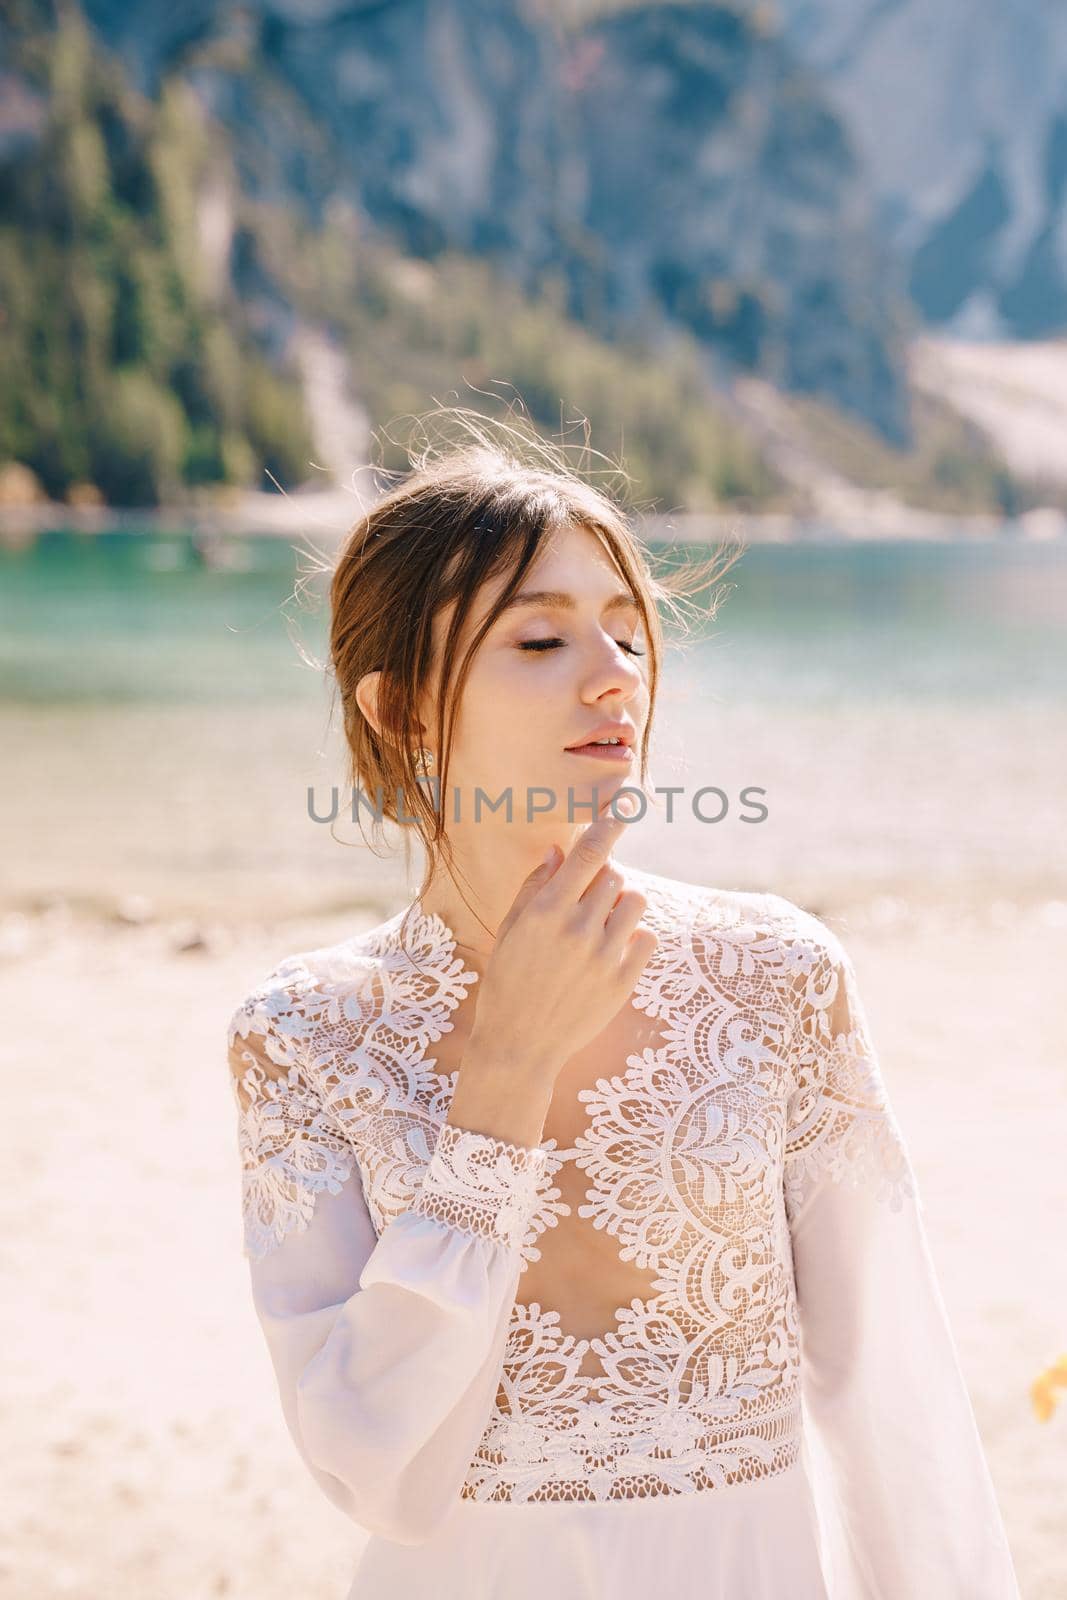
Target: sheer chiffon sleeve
(904, 1496)
(387, 1348)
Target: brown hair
(469, 511)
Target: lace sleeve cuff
(488, 1187)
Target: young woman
(581, 1231)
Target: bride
(581, 1231)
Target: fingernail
(627, 805)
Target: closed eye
(553, 644)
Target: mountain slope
(958, 109)
(672, 158)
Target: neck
(484, 890)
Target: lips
(603, 752)
(612, 730)
(619, 755)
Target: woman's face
(548, 675)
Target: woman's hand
(567, 954)
(566, 957)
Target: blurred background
(801, 268)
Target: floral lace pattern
(485, 1186)
(699, 1155)
(288, 1150)
(328, 1060)
(840, 1122)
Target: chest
(629, 1033)
(661, 1225)
(668, 1124)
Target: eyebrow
(559, 600)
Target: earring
(423, 760)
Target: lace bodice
(698, 1157)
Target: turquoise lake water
(902, 705)
(120, 618)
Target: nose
(613, 675)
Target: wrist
(501, 1098)
(518, 1064)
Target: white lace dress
(781, 1416)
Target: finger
(603, 892)
(624, 916)
(590, 851)
(531, 886)
(642, 946)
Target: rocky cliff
(958, 110)
(670, 163)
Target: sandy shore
(138, 1400)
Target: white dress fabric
(781, 1417)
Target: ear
(367, 690)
